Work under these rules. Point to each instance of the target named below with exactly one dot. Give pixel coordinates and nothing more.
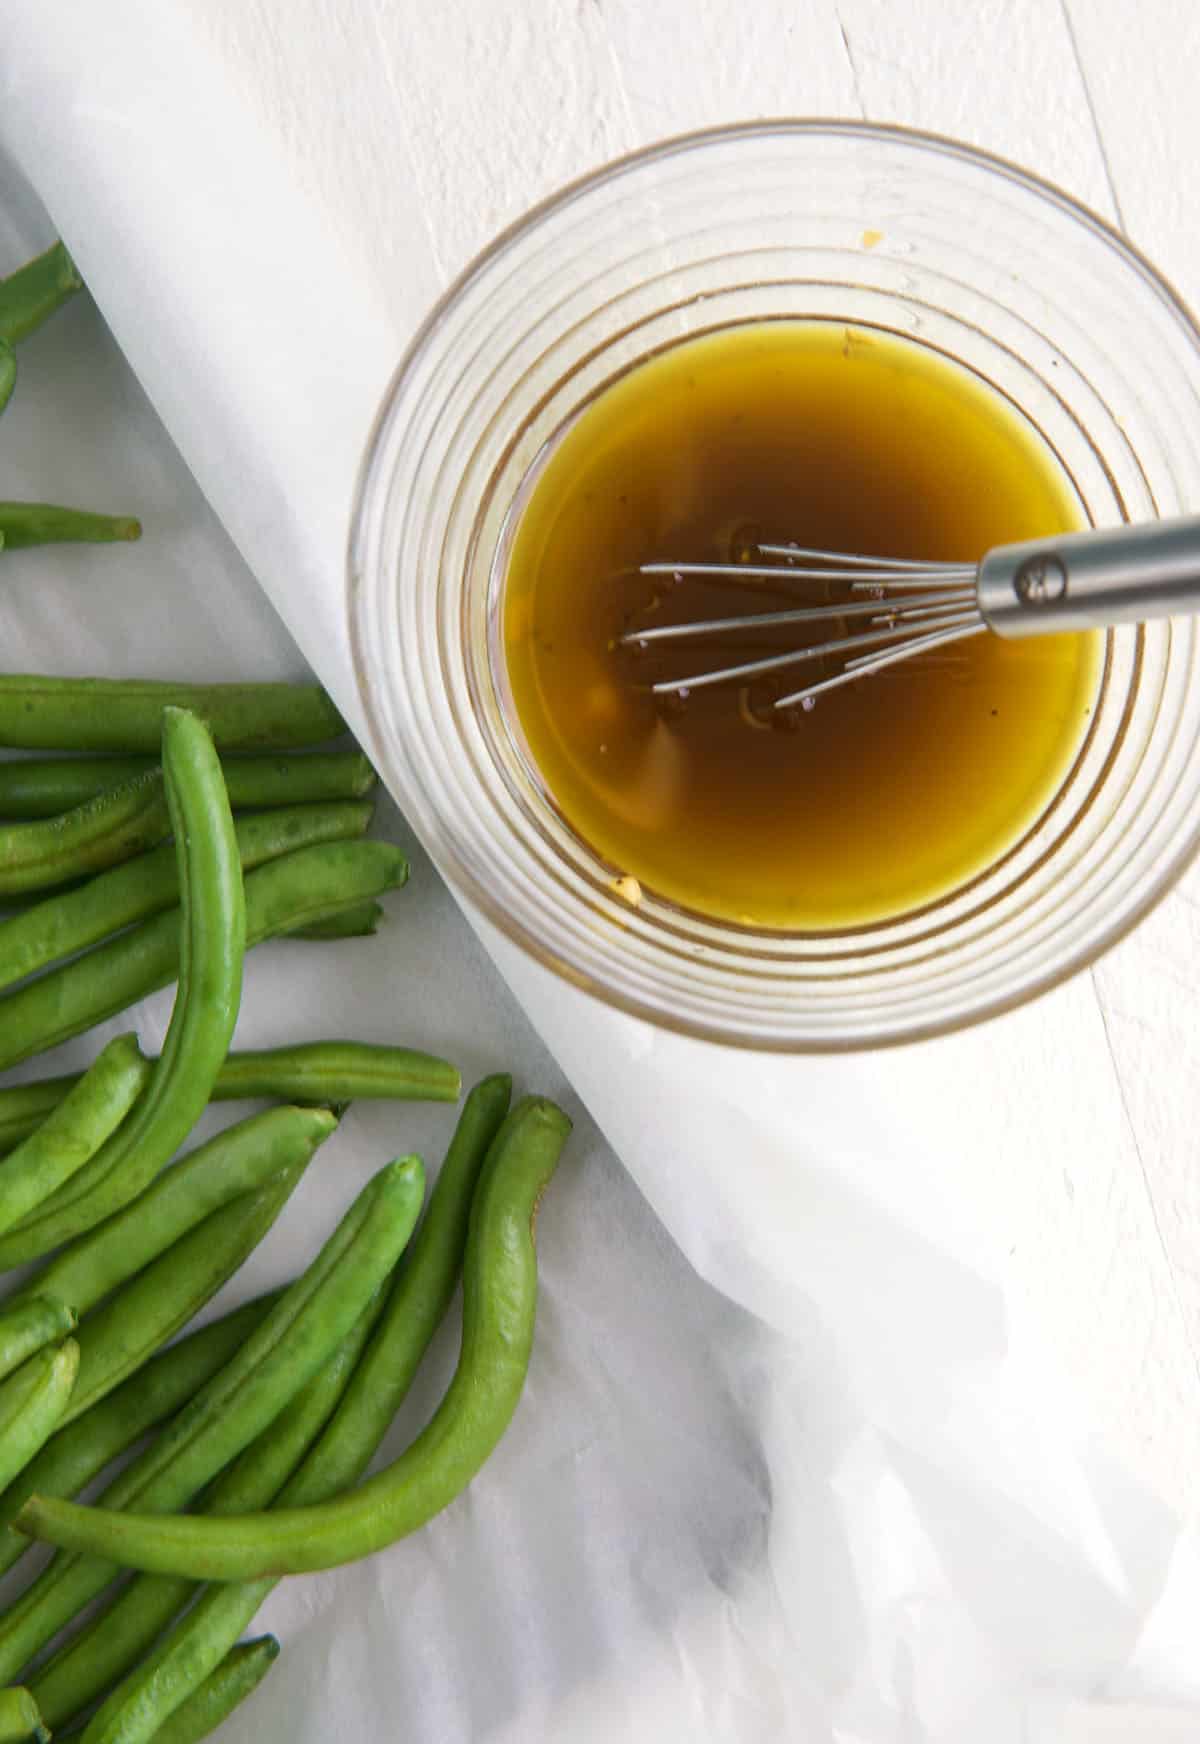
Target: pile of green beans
(78, 1452)
(101, 832)
(212, 941)
(317, 1381)
(499, 1296)
(239, 1160)
(60, 926)
(171, 828)
(304, 1395)
(301, 888)
(289, 1347)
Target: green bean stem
(32, 1402)
(307, 1323)
(236, 1161)
(8, 381)
(78, 1452)
(36, 787)
(65, 923)
(281, 896)
(39, 713)
(100, 833)
(27, 524)
(499, 1298)
(30, 295)
(212, 933)
(237, 1677)
(29, 1326)
(72, 1133)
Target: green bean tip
(58, 1306)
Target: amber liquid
(884, 795)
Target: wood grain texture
(424, 129)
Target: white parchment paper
(817, 1484)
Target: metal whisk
(1079, 581)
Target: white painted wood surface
(423, 129)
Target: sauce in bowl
(886, 794)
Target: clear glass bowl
(869, 225)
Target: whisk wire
(865, 665)
(796, 656)
(781, 620)
(852, 560)
(906, 607)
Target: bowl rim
(462, 881)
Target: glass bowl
(869, 225)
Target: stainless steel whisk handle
(1088, 580)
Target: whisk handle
(1084, 581)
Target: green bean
(30, 295)
(72, 1133)
(64, 924)
(34, 787)
(113, 1642)
(28, 1326)
(8, 381)
(20, 1719)
(360, 922)
(310, 1319)
(32, 1402)
(74, 1455)
(100, 833)
(335, 1072)
(499, 1297)
(237, 1677)
(281, 896)
(416, 1306)
(234, 1162)
(329, 1073)
(212, 934)
(100, 714)
(118, 1336)
(26, 524)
